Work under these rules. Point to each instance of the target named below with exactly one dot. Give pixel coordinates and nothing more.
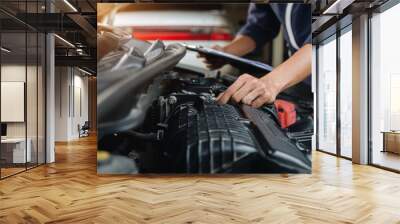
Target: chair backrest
(86, 125)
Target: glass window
(22, 91)
(15, 150)
(327, 96)
(346, 94)
(385, 89)
(31, 100)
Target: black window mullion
(45, 94)
(316, 96)
(338, 77)
(369, 100)
(37, 90)
(26, 87)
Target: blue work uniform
(264, 22)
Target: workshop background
(203, 24)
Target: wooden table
(391, 141)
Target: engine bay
(173, 124)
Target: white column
(50, 99)
(314, 90)
(360, 90)
(50, 92)
(62, 103)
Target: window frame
(27, 29)
(340, 28)
(378, 10)
(327, 40)
(343, 31)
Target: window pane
(31, 97)
(327, 97)
(385, 84)
(346, 94)
(23, 87)
(14, 153)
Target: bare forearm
(293, 70)
(256, 92)
(240, 46)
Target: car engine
(155, 117)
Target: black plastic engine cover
(164, 119)
(209, 138)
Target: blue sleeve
(308, 40)
(262, 25)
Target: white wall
(71, 87)
(33, 126)
(61, 103)
(80, 94)
(17, 73)
(12, 73)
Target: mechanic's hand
(251, 91)
(211, 62)
(106, 42)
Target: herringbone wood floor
(69, 191)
